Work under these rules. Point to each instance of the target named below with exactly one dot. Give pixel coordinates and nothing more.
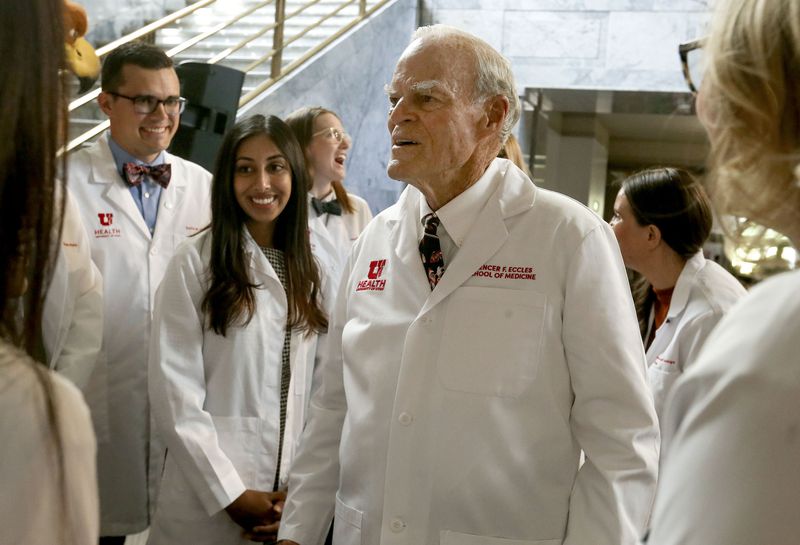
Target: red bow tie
(160, 174)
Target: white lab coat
(216, 400)
(457, 416)
(337, 233)
(132, 263)
(703, 294)
(730, 473)
(32, 494)
(72, 320)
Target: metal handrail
(277, 73)
(263, 59)
(144, 31)
(310, 53)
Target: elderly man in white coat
(484, 335)
(138, 203)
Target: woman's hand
(258, 513)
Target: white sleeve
(177, 384)
(613, 418)
(314, 478)
(82, 340)
(731, 474)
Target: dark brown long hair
(675, 202)
(33, 124)
(302, 124)
(230, 298)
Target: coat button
(168, 205)
(397, 525)
(405, 419)
(153, 251)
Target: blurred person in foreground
(483, 335)
(730, 473)
(47, 457)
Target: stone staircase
(211, 17)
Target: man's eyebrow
(388, 89)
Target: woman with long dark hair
(336, 214)
(662, 217)
(234, 341)
(47, 446)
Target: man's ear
(104, 101)
(496, 110)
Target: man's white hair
(493, 74)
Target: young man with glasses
(138, 202)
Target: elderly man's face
(433, 118)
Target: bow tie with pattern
(135, 174)
(330, 207)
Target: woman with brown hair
(47, 457)
(234, 340)
(662, 218)
(338, 215)
(731, 474)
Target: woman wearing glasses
(731, 475)
(336, 215)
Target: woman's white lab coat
(703, 294)
(216, 400)
(731, 471)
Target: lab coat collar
(104, 171)
(514, 193)
(259, 262)
(680, 295)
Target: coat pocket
(347, 524)
(491, 340)
(448, 537)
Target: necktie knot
(430, 250)
(326, 207)
(135, 173)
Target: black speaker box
(212, 92)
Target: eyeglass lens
(148, 104)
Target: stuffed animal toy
(81, 58)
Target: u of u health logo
(373, 282)
(106, 231)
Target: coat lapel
(104, 171)
(171, 199)
(486, 237)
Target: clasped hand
(259, 513)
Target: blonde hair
(751, 98)
(513, 153)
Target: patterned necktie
(431, 251)
(135, 174)
(327, 207)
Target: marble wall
(110, 19)
(583, 44)
(348, 77)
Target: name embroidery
(505, 272)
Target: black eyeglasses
(147, 104)
(691, 54)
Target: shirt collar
(121, 157)
(458, 215)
